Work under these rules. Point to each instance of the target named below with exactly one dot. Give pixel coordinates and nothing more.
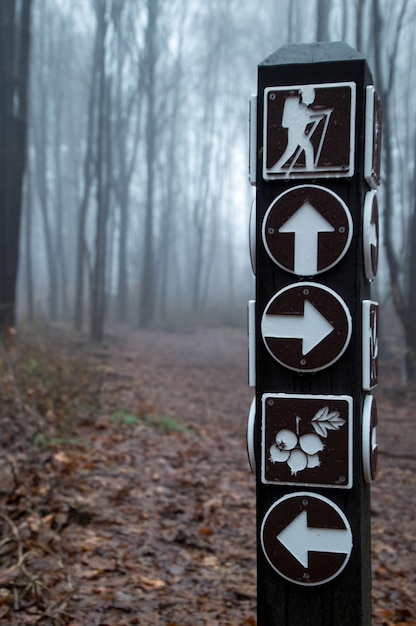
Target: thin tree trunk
(359, 37)
(126, 164)
(171, 202)
(81, 254)
(396, 271)
(14, 68)
(40, 118)
(102, 189)
(147, 296)
(60, 241)
(28, 248)
(322, 29)
(411, 291)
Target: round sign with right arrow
(307, 230)
(306, 327)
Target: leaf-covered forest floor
(125, 491)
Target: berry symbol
(302, 451)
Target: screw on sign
(313, 332)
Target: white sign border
(370, 198)
(294, 396)
(366, 338)
(370, 175)
(347, 314)
(340, 201)
(307, 494)
(369, 437)
(347, 173)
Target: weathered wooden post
(315, 160)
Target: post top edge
(318, 52)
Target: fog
(136, 195)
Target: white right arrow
(306, 223)
(299, 539)
(312, 327)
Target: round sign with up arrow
(306, 327)
(307, 230)
(306, 538)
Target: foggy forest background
(136, 196)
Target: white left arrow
(299, 539)
(306, 223)
(312, 327)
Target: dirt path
(145, 512)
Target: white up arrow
(312, 327)
(306, 223)
(299, 539)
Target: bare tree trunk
(171, 203)
(148, 291)
(344, 20)
(40, 122)
(359, 37)
(14, 57)
(292, 22)
(81, 253)
(41, 169)
(201, 213)
(28, 247)
(61, 270)
(199, 241)
(122, 281)
(411, 291)
(322, 29)
(103, 167)
(398, 279)
(127, 111)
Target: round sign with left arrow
(307, 230)
(306, 538)
(306, 327)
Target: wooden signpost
(315, 131)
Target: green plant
(44, 441)
(125, 417)
(165, 423)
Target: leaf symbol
(325, 420)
